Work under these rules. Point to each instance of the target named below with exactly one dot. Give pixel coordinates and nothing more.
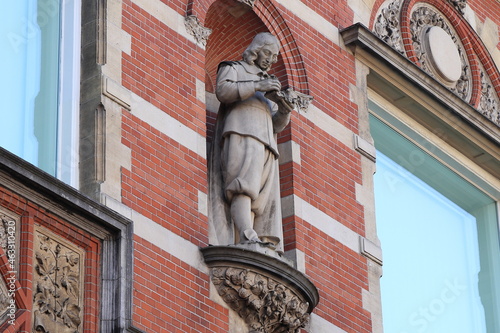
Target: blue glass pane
(431, 256)
(29, 63)
(20, 41)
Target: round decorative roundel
(443, 54)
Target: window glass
(439, 237)
(38, 59)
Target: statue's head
(262, 51)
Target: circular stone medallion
(443, 54)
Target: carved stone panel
(57, 284)
(5, 301)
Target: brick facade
(166, 181)
(157, 86)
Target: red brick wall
(171, 296)
(165, 177)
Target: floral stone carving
(58, 284)
(387, 26)
(459, 5)
(266, 292)
(489, 103)
(198, 31)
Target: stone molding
(197, 30)
(267, 292)
(392, 73)
(365, 148)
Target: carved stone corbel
(294, 99)
(267, 293)
(299, 100)
(198, 31)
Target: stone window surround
(113, 230)
(385, 73)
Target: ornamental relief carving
(248, 2)
(5, 300)
(423, 19)
(266, 305)
(459, 5)
(8, 234)
(57, 284)
(489, 102)
(197, 30)
(387, 28)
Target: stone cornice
(114, 231)
(37, 181)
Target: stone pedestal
(262, 287)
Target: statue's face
(267, 56)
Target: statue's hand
(267, 85)
(286, 99)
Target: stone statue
(244, 179)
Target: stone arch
(294, 65)
(476, 53)
(294, 74)
(233, 26)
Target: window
(39, 87)
(439, 236)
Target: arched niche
(233, 26)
